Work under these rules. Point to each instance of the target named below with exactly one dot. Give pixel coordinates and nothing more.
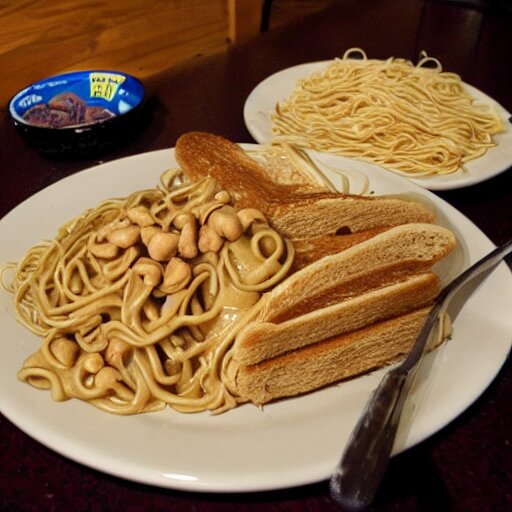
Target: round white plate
(261, 102)
(285, 444)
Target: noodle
(409, 119)
(290, 164)
(131, 328)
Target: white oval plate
(261, 103)
(246, 449)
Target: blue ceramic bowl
(79, 112)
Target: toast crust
(330, 361)
(262, 340)
(399, 251)
(308, 250)
(293, 210)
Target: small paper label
(105, 85)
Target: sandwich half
(363, 283)
(341, 316)
(329, 361)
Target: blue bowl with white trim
(79, 112)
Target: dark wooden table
(465, 467)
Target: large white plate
(285, 444)
(261, 102)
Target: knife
(362, 465)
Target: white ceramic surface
(261, 102)
(293, 442)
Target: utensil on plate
(359, 472)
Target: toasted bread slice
(383, 259)
(261, 340)
(343, 315)
(293, 210)
(327, 362)
(309, 250)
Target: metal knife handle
(369, 447)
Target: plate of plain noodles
(415, 120)
(139, 394)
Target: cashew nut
(65, 351)
(108, 227)
(115, 351)
(92, 363)
(222, 197)
(206, 209)
(180, 220)
(163, 246)
(107, 377)
(140, 215)
(151, 271)
(147, 232)
(177, 275)
(209, 240)
(124, 237)
(248, 215)
(187, 245)
(104, 250)
(226, 223)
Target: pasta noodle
(290, 164)
(139, 300)
(414, 120)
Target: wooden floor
(39, 38)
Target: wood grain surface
(40, 38)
